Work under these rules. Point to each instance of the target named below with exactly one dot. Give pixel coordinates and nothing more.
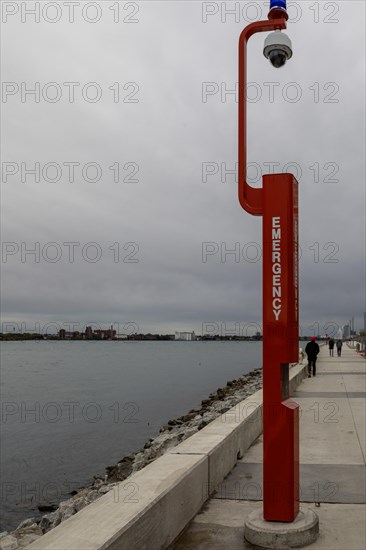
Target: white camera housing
(277, 48)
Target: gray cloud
(169, 133)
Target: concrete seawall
(149, 509)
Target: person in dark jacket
(312, 350)
(331, 347)
(339, 347)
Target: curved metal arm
(250, 198)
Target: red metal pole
(250, 198)
(277, 202)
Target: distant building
(88, 333)
(104, 334)
(67, 335)
(100, 334)
(186, 336)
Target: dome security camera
(277, 48)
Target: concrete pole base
(282, 536)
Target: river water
(69, 409)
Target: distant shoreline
(37, 338)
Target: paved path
(332, 473)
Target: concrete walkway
(332, 473)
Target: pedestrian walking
(331, 347)
(312, 349)
(339, 347)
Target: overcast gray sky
(144, 88)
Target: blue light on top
(278, 4)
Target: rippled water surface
(69, 409)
